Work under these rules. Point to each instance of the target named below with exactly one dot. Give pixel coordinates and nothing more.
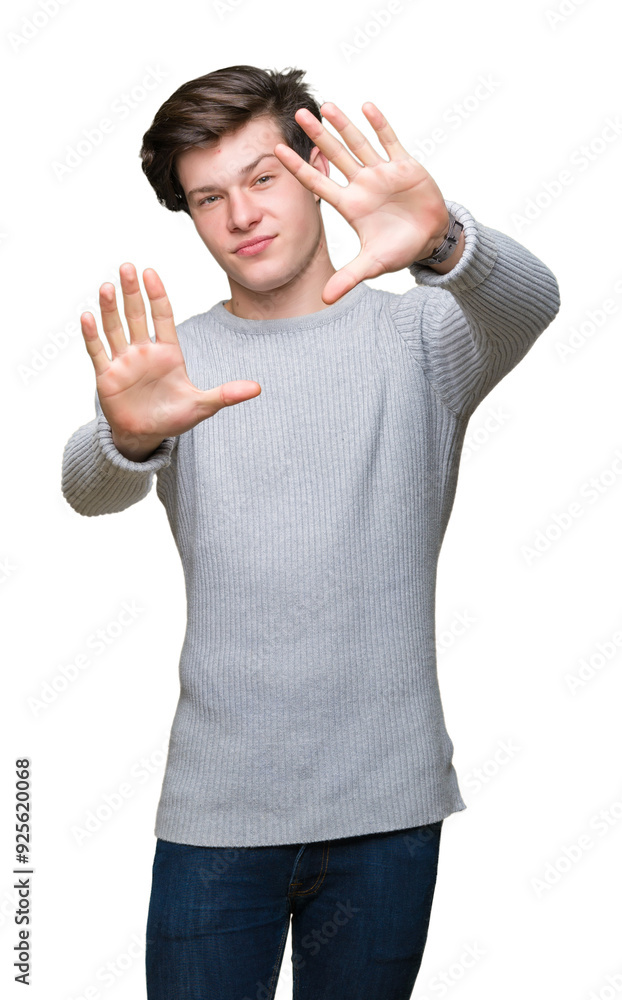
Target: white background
(545, 925)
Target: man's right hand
(144, 390)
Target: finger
(355, 139)
(350, 275)
(385, 133)
(113, 328)
(312, 179)
(328, 144)
(133, 305)
(161, 309)
(94, 346)
(227, 394)
(236, 391)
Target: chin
(270, 283)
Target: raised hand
(144, 390)
(395, 206)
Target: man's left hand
(395, 206)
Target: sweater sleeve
(97, 478)
(470, 327)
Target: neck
(300, 295)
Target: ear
(320, 161)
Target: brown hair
(204, 109)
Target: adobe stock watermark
(36, 21)
(591, 666)
(595, 319)
(558, 525)
(495, 418)
(7, 569)
(119, 110)
(459, 625)
(423, 835)
(319, 936)
(99, 641)
(613, 986)
(580, 160)
(109, 973)
(557, 16)
(570, 855)
(479, 777)
(9, 905)
(455, 116)
(313, 943)
(439, 984)
(112, 802)
(219, 864)
(225, 7)
(377, 20)
(58, 341)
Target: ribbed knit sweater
(309, 521)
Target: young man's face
(267, 200)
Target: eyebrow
(244, 170)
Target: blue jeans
(360, 908)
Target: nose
(243, 211)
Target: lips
(256, 246)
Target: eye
(208, 201)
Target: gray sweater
(309, 521)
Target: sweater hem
(399, 820)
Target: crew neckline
(239, 324)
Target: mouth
(253, 248)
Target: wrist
(435, 242)
(441, 252)
(447, 265)
(135, 447)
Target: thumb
(230, 393)
(347, 277)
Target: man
(309, 768)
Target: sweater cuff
(476, 262)
(107, 452)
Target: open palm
(395, 206)
(144, 389)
